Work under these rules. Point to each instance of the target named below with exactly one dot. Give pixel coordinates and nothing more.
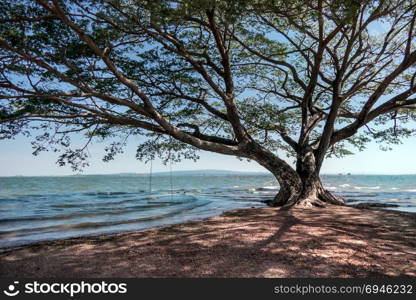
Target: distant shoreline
(259, 242)
(201, 172)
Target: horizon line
(201, 170)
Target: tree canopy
(243, 78)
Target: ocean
(34, 209)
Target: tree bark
(300, 187)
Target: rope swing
(150, 176)
(170, 172)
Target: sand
(258, 242)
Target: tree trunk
(314, 194)
(311, 193)
(300, 187)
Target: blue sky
(16, 159)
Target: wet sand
(258, 242)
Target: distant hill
(209, 172)
(192, 172)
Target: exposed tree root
(317, 197)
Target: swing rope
(171, 181)
(150, 176)
(170, 173)
(170, 170)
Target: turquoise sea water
(47, 208)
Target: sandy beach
(257, 242)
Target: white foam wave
(331, 188)
(366, 187)
(270, 187)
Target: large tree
(244, 78)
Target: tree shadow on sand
(332, 242)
